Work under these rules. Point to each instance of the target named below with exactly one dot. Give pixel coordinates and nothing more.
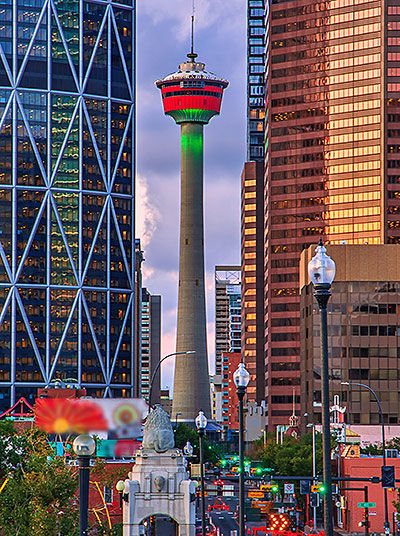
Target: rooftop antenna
(192, 56)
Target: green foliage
(293, 457)
(37, 499)
(375, 449)
(102, 530)
(212, 452)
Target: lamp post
(241, 378)
(84, 446)
(386, 525)
(321, 270)
(158, 366)
(201, 423)
(314, 472)
(176, 420)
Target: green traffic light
(322, 488)
(274, 488)
(259, 470)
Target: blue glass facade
(255, 79)
(66, 195)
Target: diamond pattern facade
(66, 195)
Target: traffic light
(388, 479)
(305, 487)
(314, 500)
(318, 488)
(274, 488)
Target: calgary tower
(191, 96)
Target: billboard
(110, 418)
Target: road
(225, 521)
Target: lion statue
(158, 434)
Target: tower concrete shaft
(191, 96)
(191, 385)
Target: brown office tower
(363, 333)
(331, 163)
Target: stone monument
(159, 482)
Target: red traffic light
(219, 482)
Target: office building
(227, 312)
(150, 345)
(227, 332)
(363, 334)
(252, 247)
(191, 96)
(331, 164)
(255, 80)
(138, 282)
(252, 205)
(66, 196)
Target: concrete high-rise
(150, 345)
(66, 196)
(191, 96)
(227, 312)
(227, 334)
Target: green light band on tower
(192, 114)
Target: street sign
(372, 513)
(195, 470)
(366, 505)
(256, 494)
(288, 488)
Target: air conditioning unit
(392, 453)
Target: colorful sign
(255, 494)
(366, 505)
(121, 418)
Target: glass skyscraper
(255, 79)
(66, 195)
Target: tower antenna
(192, 56)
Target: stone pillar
(191, 384)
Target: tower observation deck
(191, 96)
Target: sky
(163, 40)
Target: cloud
(207, 13)
(163, 33)
(147, 215)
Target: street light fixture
(84, 447)
(241, 377)
(158, 366)
(321, 270)
(201, 423)
(386, 525)
(120, 487)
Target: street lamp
(84, 446)
(386, 524)
(158, 366)
(241, 378)
(314, 472)
(201, 423)
(176, 420)
(321, 270)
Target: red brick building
(366, 467)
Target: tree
(183, 433)
(38, 496)
(293, 457)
